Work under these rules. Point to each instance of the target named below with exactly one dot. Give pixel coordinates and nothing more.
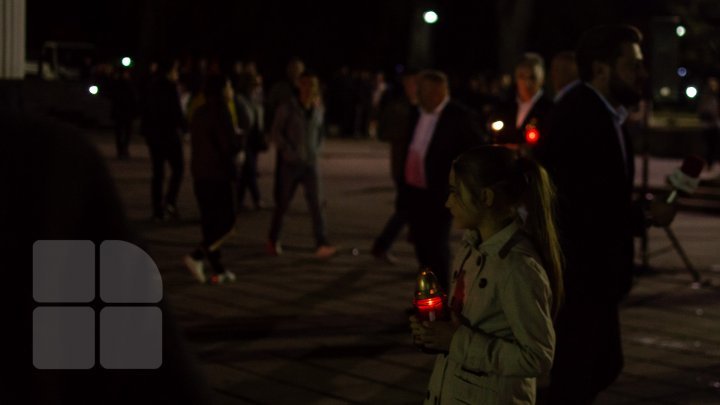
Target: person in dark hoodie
(216, 142)
(162, 123)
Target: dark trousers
(588, 353)
(712, 138)
(172, 153)
(123, 130)
(276, 183)
(217, 218)
(394, 224)
(290, 175)
(430, 223)
(248, 178)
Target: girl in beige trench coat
(506, 283)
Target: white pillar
(12, 39)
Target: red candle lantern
(429, 298)
(429, 302)
(532, 135)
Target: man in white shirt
(525, 118)
(441, 130)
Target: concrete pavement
(297, 330)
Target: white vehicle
(62, 60)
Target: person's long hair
(517, 182)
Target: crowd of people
(538, 175)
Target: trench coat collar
(495, 244)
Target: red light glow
(532, 135)
(429, 304)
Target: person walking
(393, 126)
(251, 117)
(215, 141)
(298, 133)
(162, 123)
(441, 130)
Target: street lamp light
(126, 61)
(430, 17)
(691, 92)
(680, 31)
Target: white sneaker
(325, 251)
(223, 278)
(196, 268)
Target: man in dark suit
(525, 119)
(442, 129)
(590, 158)
(394, 126)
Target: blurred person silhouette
(563, 74)
(590, 159)
(341, 108)
(162, 123)
(251, 118)
(439, 131)
(251, 68)
(709, 114)
(216, 141)
(236, 70)
(124, 99)
(394, 126)
(477, 95)
(506, 285)
(298, 132)
(529, 110)
(362, 99)
(62, 190)
(281, 93)
(379, 88)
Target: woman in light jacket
(506, 285)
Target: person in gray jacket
(506, 286)
(297, 131)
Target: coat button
(483, 283)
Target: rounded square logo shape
(128, 274)
(131, 338)
(64, 338)
(64, 271)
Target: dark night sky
(369, 33)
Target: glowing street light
(126, 61)
(691, 92)
(93, 90)
(682, 72)
(665, 91)
(680, 31)
(497, 126)
(430, 17)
